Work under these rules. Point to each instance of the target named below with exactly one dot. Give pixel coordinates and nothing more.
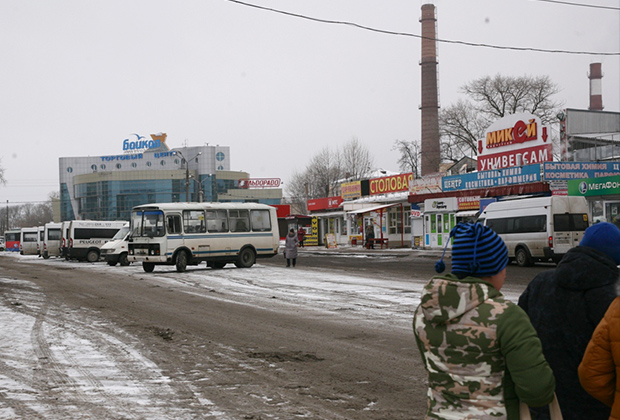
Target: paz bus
(183, 234)
(11, 239)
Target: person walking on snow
(290, 248)
(301, 235)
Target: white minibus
(64, 239)
(29, 241)
(115, 251)
(184, 234)
(51, 240)
(40, 240)
(540, 228)
(87, 236)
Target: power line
(581, 4)
(383, 31)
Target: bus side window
(174, 224)
(261, 221)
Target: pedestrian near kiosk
(301, 235)
(565, 305)
(370, 237)
(290, 248)
(480, 350)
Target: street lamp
(187, 172)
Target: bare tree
(356, 161)
(324, 170)
(2, 179)
(462, 124)
(327, 169)
(409, 160)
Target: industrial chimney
(596, 87)
(430, 156)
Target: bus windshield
(147, 223)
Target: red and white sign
(515, 140)
(259, 183)
(324, 203)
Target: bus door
(174, 232)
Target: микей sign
(515, 140)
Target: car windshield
(121, 233)
(147, 223)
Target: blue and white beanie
(476, 251)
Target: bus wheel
(92, 256)
(523, 258)
(148, 267)
(246, 258)
(181, 261)
(123, 259)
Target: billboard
(515, 140)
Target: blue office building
(107, 187)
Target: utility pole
(187, 173)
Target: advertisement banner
(490, 179)
(389, 184)
(258, 183)
(606, 185)
(428, 184)
(564, 171)
(515, 140)
(351, 190)
(324, 203)
(468, 203)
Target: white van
(115, 251)
(29, 241)
(51, 240)
(538, 229)
(64, 239)
(86, 237)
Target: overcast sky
(77, 77)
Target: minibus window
(174, 224)
(261, 222)
(194, 221)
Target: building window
(118, 166)
(69, 169)
(148, 164)
(94, 168)
(162, 163)
(134, 165)
(220, 156)
(102, 166)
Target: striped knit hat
(477, 251)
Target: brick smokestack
(596, 87)
(430, 103)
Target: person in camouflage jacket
(481, 352)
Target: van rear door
(568, 231)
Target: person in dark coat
(565, 305)
(370, 236)
(290, 248)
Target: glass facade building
(107, 187)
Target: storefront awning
(375, 208)
(328, 214)
(468, 213)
